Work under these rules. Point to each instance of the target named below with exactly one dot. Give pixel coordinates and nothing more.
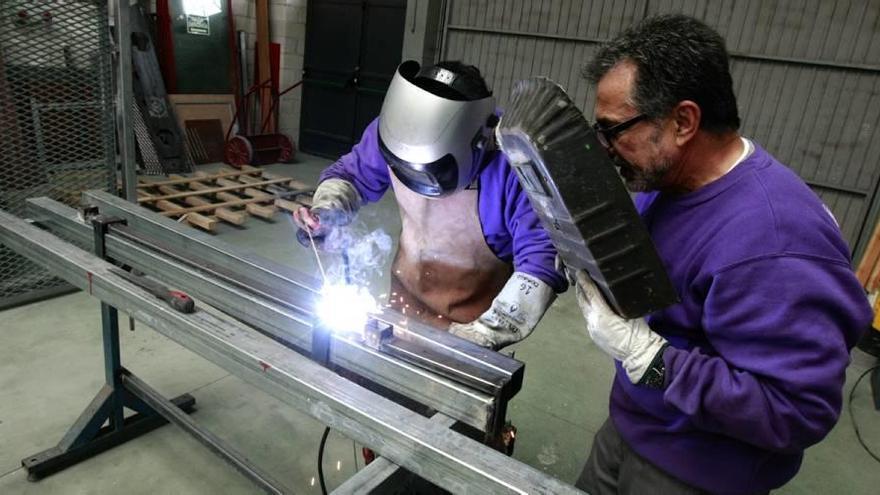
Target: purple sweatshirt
(759, 343)
(510, 226)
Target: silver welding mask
(432, 142)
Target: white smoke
(359, 255)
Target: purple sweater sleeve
(511, 227)
(533, 252)
(783, 324)
(363, 166)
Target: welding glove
(632, 342)
(513, 314)
(334, 203)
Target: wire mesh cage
(56, 118)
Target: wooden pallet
(230, 196)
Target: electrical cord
(852, 417)
(321, 460)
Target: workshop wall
(287, 26)
(806, 75)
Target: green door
(201, 51)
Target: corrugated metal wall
(806, 74)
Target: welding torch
(314, 238)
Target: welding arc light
(345, 308)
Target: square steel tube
(302, 287)
(414, 442)
(480, 410)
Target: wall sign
(198, 24)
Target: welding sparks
(345, 308)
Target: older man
(723, 391)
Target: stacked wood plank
(230, 196)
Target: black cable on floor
(321, 460)
(852, 416)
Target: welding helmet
(435, 124)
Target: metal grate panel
(56, 117)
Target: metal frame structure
(273, 357)
(278, 301)
(87, 437)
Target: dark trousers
(613, 467)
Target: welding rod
(315, 250)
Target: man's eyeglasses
(606, 135)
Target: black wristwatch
(655, 376)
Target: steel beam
(382, 475)
(437, 454)
(304, 288)
(171, 412)
(281, 323)
(276, 279)
(296, 285)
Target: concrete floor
(50, 368)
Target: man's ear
(686, 117)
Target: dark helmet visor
(434, 179)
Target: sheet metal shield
(582, 202)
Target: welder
(472, 255)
